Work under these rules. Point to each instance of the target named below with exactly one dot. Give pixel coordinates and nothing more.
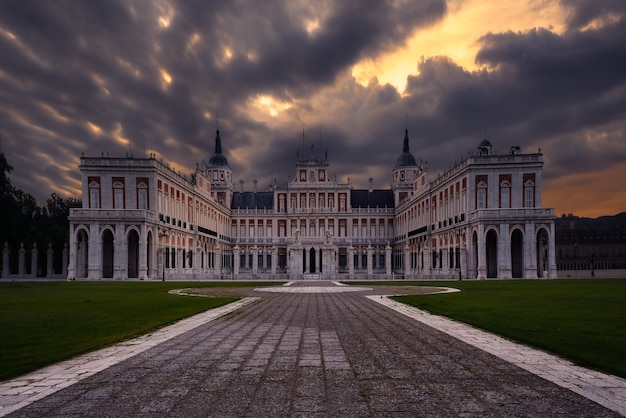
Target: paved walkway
(312, 353)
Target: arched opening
(542, 253)
(312, 260)
(133, 254)
(475, 255)
(82, 254)
(149, 249)
(107, 254)
(517, 254)
(492, 254)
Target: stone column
(295, 261)
(120, 259)
(482, 256)
(370, 265)
(21, 260)
(504, 253)
(274, 259)
(5, 260)
(407, 260)
(50, 261)
(328, 262)
(34, 258)
(255, 261)
(463, 261)
(236, 253)
(351, 262)
(444, 251)
(143, 253)
(388, 253)
(218, 262)
(530, 252)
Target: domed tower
(218, 170)
(404, 173)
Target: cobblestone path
(314, 354)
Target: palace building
(482, 218)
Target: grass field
(582, 320)
(42, 323)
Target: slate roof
(252, 200)
(373, 199)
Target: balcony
(511, 214)
(136, 215)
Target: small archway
(542, 252)
(491, 246)
(107, 254)
(312, 260)
(517, 254)
(82, 254)
(133, 254)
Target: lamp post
(163, 233)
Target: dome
(406, 159)
(485, 143)
(218, 159)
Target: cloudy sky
(153, 76)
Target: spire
(218, 142)
(218, 159)
(406, 141)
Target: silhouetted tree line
(23, 220)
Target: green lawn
(42, 323)
(583, 320)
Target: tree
(23, 220)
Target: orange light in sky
(457, 35)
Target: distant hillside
(614, 222)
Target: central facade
(481, 219)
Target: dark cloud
(86, 76)
(584, 12)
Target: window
(94, 192)
(529, 195)
(481, 195)
(94, 195)
(529, 190)
(143, 199)
(118, 193)
(505, 195)
(142, 193)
